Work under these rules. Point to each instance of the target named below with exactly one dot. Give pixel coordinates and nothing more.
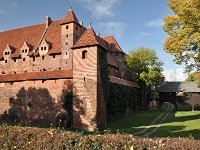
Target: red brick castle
(40, 62)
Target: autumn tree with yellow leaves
(183, 29)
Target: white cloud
(113, 28)
(175, 75)
(143, 34)
(101, 8)
(2, 11)
(155, 23)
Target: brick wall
(45, 97)
(85, 88)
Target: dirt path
(154, 126)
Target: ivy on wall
(122, 100)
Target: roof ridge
(29, 26)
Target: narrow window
(26, 50)
(84, 54)
(42, 48)
(22, 51)
(5, 53)
(33, 58)
(67, 35)
(54, 56)
(14, 59)
(24, 59)
(66, 43)
(66, 53)
(84, 79)
(76, 28)
(8, 53)
(42, 57)
(45, 48)
(6, 61)
(67, 27)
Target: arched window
(84, 54)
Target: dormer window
(44, 47)
(24, 50)
(84, 54)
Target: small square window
(5, 53)
(67, 27)
(24, 59)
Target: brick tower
(89, 110)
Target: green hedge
(21, 138)
(122, 99)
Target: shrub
(53, 139)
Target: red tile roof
(89, 38)
(70, 17)
(32, 35)
(123, 82)
(112, 40)
(17, 37)
(42, 75)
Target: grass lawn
(133, 123)
(180, 124)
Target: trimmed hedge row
(53, 139)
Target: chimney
(48, 21)
(81, 23)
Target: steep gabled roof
(32, 35)
(112, 40)
(70, 17)
(17, 37)
(89, 38)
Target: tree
(183, 29)
(145, 66)
(194, 77)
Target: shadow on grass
(174, 126)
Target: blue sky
(134, 23)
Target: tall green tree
(145, 66)
(183, 29)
